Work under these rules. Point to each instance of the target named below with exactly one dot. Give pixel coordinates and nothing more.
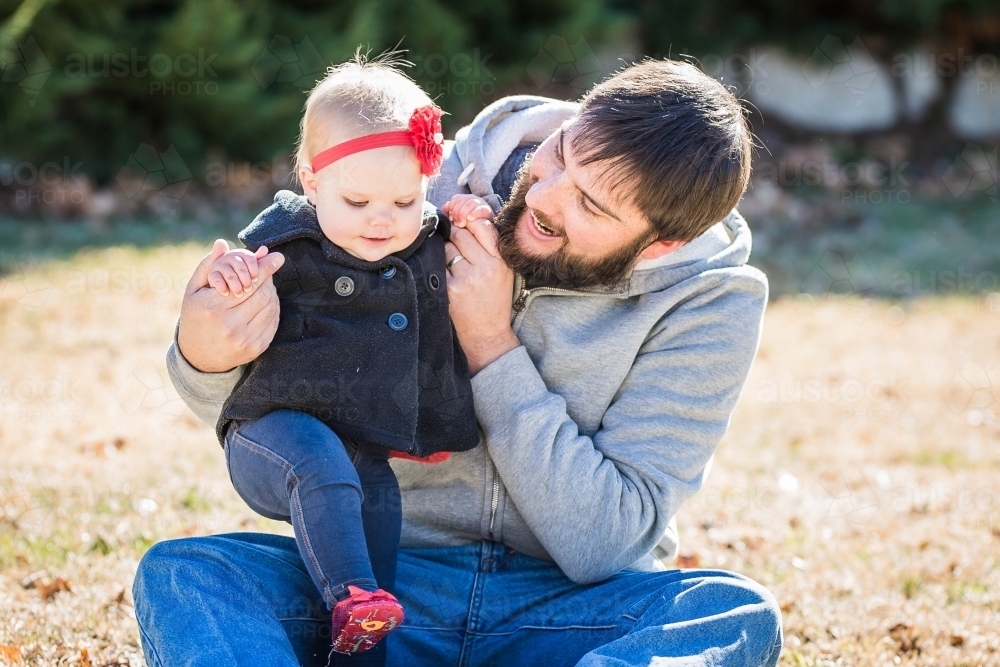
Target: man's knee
(164, 562)
(757, 609)
(733, 599)
(767, 610)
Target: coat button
(344, 286)
(388, 272)
(433, 281)
(398, 321)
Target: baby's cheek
(338, 223)
(412, 226)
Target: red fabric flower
(425, 126)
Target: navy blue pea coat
(366, 347)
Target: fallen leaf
(11, 653)
(119, 443)
(786, 606)
(100, 545)
(32, 579)
(48, 589)
(906, 637)
(688, 561)
(85, 659)
(93, 448)
(956, 640)
(123, 599)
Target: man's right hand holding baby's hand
(236, 271)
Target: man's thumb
(200, 277)
(269, 265)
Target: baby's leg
(292, 467)
(382, 512)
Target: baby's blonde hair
(357, 98)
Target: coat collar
(293, 217)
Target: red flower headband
(424, 135)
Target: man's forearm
(592, 517)
(600, 499)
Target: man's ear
(308, 180)
(660, 248)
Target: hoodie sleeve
(597, 504)
(204, 393)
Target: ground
(858, 479)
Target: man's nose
(545, 193)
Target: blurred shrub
(226, 79)
(87, 82)
(726, 26)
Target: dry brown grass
(858, 480)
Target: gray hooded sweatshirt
(605, 419)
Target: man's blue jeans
(247, 599)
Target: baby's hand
(236, 271)
(463, 209)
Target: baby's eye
(406, 204)
(351, 202)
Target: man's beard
(561, 268)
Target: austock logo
(282, 62)
(972, 391)
(560, 62)
(25, 65)
(839, 497)
(835, 275)
(24, 280)
(51, 399)
(974, 170)
(146, 390)
(24, 505)
(148, 171)
(834, 62)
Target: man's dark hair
(672, 139)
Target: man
(605, 368)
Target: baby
(365, 361)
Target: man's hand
(479, 291)
(217, 333)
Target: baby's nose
(380, 219)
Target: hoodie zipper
(496, 499)
(523, 293)
(516, 309)
(522, 297)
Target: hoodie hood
(473, 159)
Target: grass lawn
(858, 480)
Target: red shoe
(364, 618)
